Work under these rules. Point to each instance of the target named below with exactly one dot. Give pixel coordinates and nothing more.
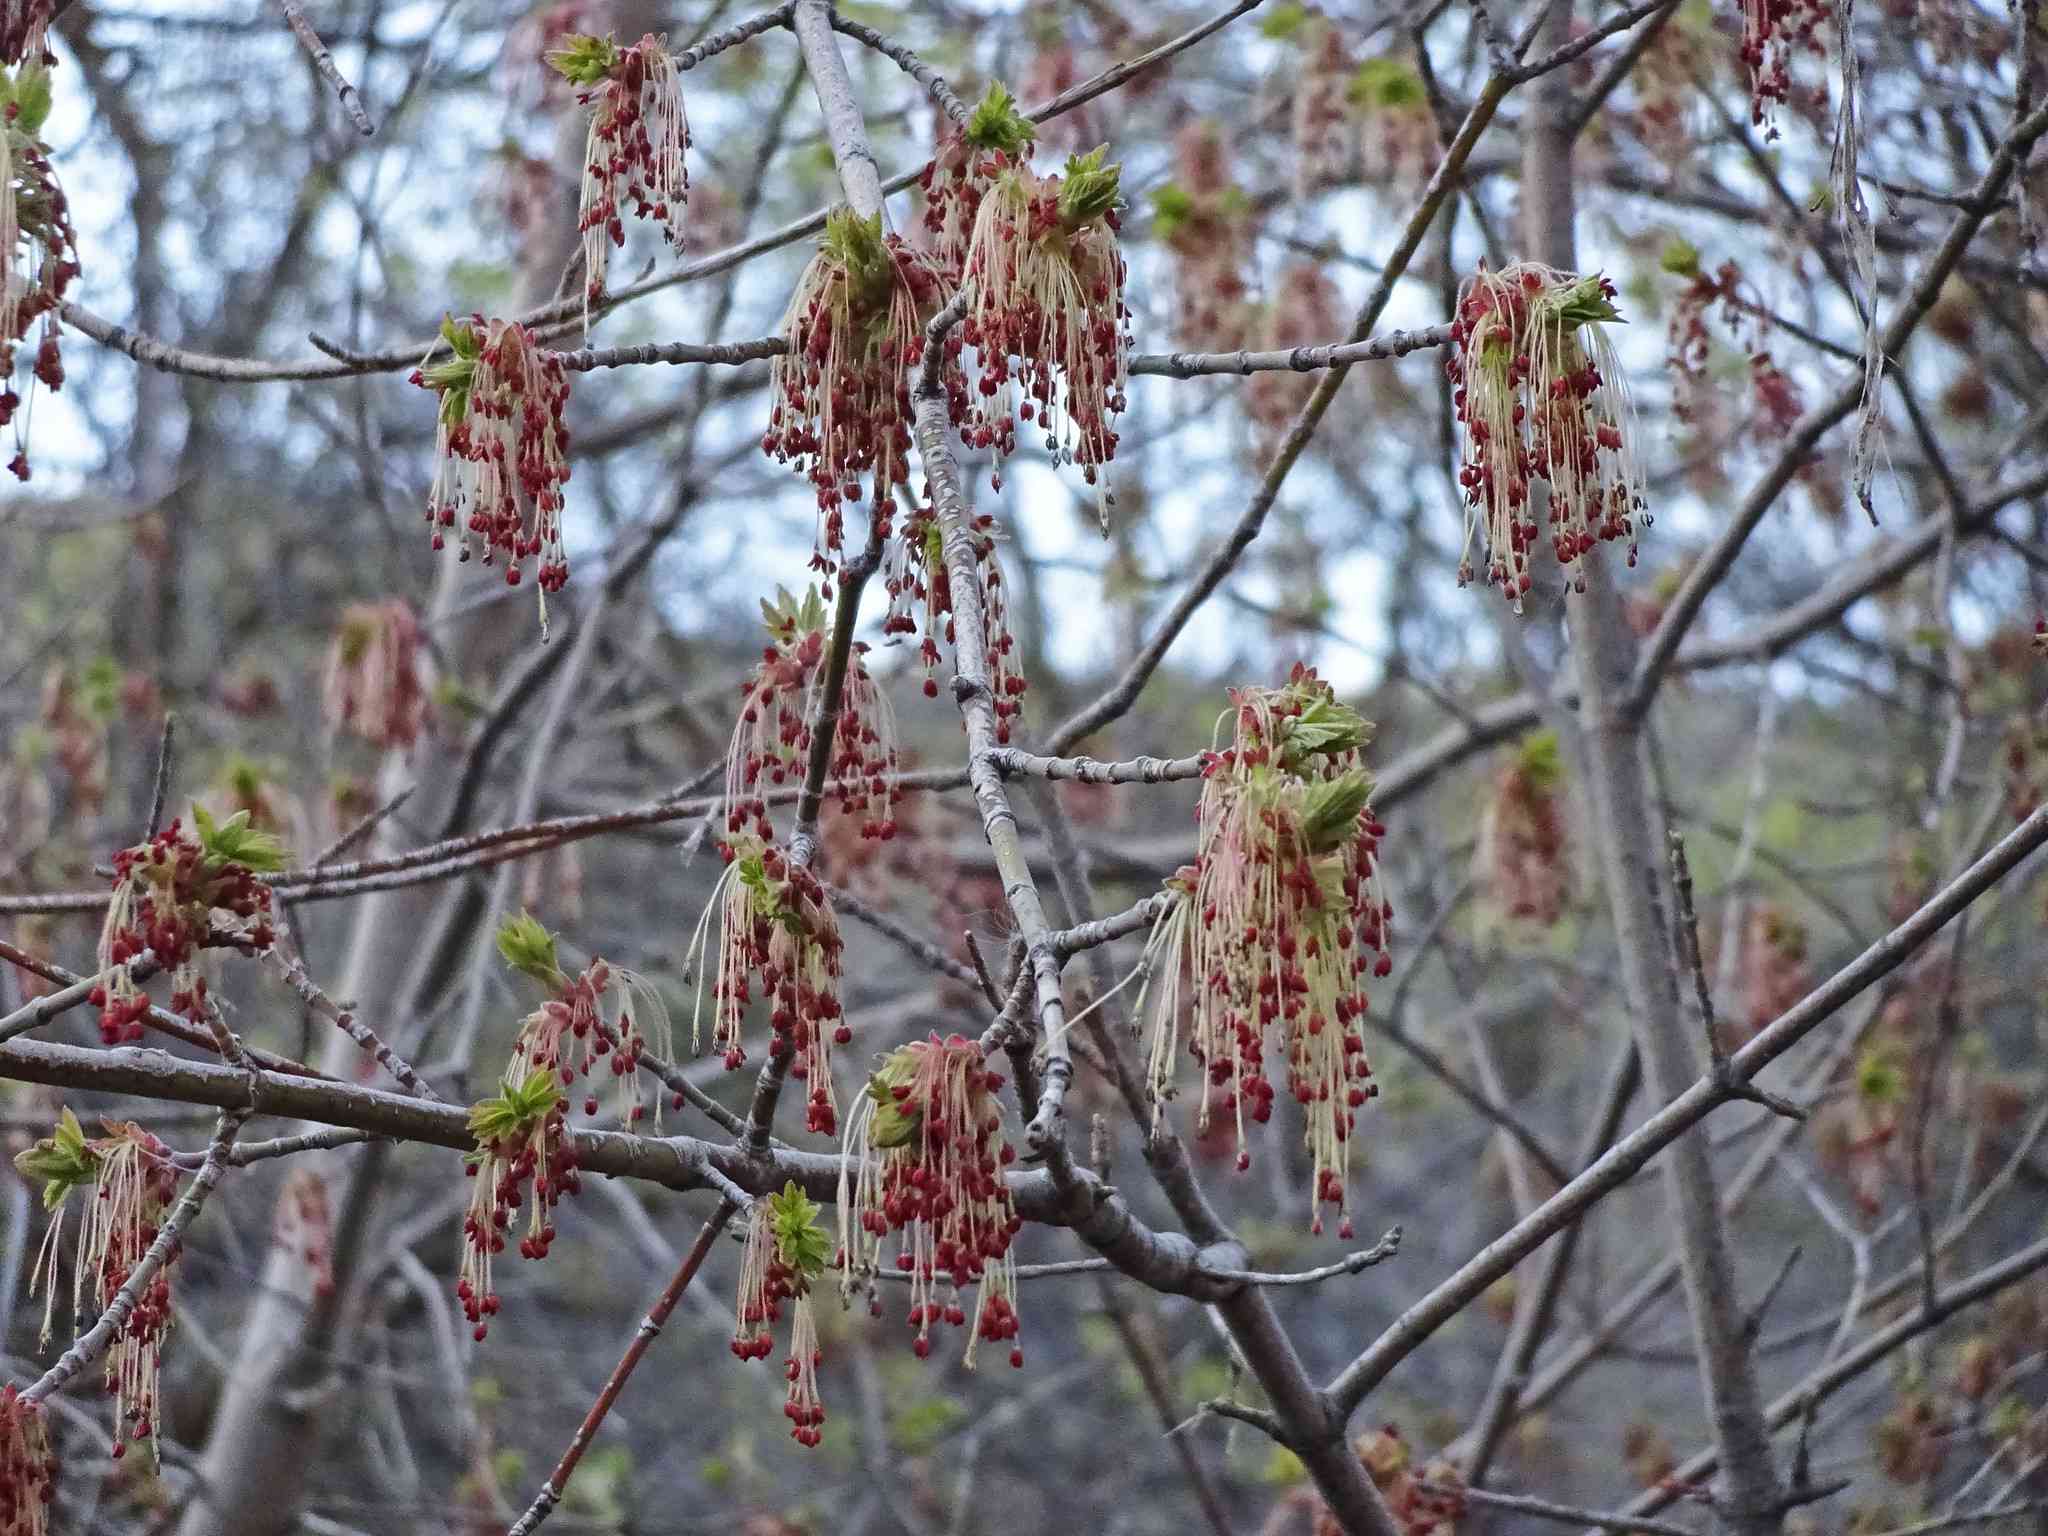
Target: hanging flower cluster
(1772, 31)
(771, 745)
(28, 1466)
(926, 1152)
(786, 1253)
(1203, 217)
(1302, 312)
(1398, 140)
(1524, 864)
(776, 922)
(603, 1013)
(917, 576)
(38, 250)
(840, 391)
(375, 683)
(175, 895)
(1324, 149)
(501, 449)
(633, 157)
(1279, 920)
(1048, 314)
(522, 1148)
(970, 158)
(1541, 397)
(132, 1182)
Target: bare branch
(323, 61)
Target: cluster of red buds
(38, 249)
(603, 1014)
(1424, 1501)
(28, 1467)
(969, 159)
(924, 1157)
(786, 1253)
(1524, 863)
(1855, 1132)
(131, 1182)
(840, 391)
(1541, 397)
(303, 1226)
(1203, 218)
(771, 745)
(501, 449)
(917, 576)
(633, 158)
(179, 893)
(1772, 31)
(522, 1148)
(376, 680)
(776, 923)
(1048, 314)
(1280, 919)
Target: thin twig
(323, 61)
(650, 1328)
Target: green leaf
(1283, 21)
(30, 93)
(518, 1111)
(1327, 727)
(527, 946)
(235, 842)
(799, 1241)
(895, 1123)
(1089, 187)
(1172, 207)
(583, 60)
(1681, 258)
(1329, 817)
(1385, 82)
(1583, 303)
(996, 123)
(856, 244)
(1541, 762)
(61, 1160)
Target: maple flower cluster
(786, 1252)
(776, 923)
(840, 391)
(1541, 397)
(771, 745)
(38, 249)
(593, 1017)
(522, 1148)
(1524, 864)
(131, 1182)
(1048, 313)
(1280, 919)
(917, 577)
(924, 1157)
(1772, 31)
(374, 685)
(501, 448)
(179, 893)
(28, 1466)
(969, 158)
(633, 157)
